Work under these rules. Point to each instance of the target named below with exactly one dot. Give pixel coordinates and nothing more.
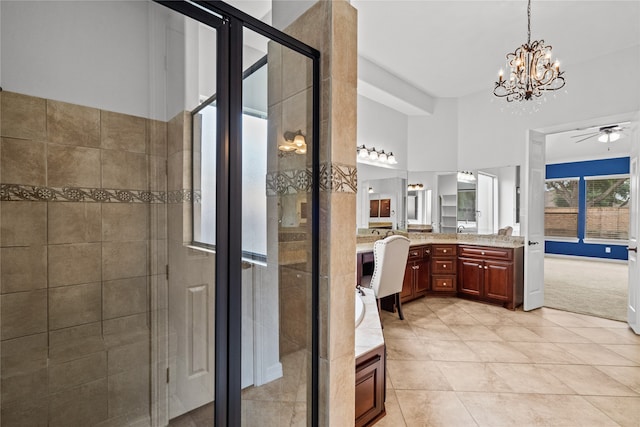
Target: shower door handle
(632, 249)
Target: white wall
(601, 87)
(116, 64)
(383, 128)
(433, 140)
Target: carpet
(586, 287)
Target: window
(561, 208)
(607, 208)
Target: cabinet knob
(486, 268)
(444, 284)
(444, 251)
(482, 252)
(414, 253)
(479, 266)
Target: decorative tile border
(16, 192)
(334, 177)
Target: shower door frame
(228, 280)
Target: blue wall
(617, 166)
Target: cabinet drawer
(443, 250)
(444, 283)
(416, 252)
(443, 266)
(485, 252)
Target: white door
(534, 222)
(485, 203)
(633, 308)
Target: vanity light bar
(373, 155)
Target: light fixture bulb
(614, 136)
(373, 155)
(301, 150)
(391, 159)
(382, 157)
(286, 147)
(604, 138)
(299, 141)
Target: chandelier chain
(529, 23)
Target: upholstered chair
(390, 260)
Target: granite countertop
(369, 331)
(365, 243)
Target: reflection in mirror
(382, 198)
(488, 200)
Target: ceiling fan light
(604, 137)
(614, 136)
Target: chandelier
(531, 72)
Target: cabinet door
(421, 277)
(407, 284)
(498, 280)
(470, 275)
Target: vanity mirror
(381, 198)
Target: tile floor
(453, 362)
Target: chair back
(390, 260)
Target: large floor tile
(494, 351)
(623, 410)
(557, 334)
(595, 354)
(469, 376)
(627, 375)
(545, 352)
(406, 349)
(588, 380)
(416, 375)
(504, 409)
(456, 351)
(393, 417)
(526, 378)
(433, 408)
(476, 333)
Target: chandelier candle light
(531, 71)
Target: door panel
(497, 276)
(470, 273)
(407, 283)
(422, 277)
(633, 308)
(533, 223)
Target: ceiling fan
(606, 134)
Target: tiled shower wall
(82, 224)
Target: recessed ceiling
(455, 48)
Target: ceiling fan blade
(584, 139)
(585, 134)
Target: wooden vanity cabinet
(443, 268)
(416, 275)
(491, 274)
(370, 387)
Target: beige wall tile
(343, 205)
(24, 354)
(341, 339)
(23, 268)
(297, 72)
(23, 313)
(129, 393)
(73, 166)
(30, 412)
(157, 132)
(74, 305)
(122, 260)
(23, 223)
(129, 357)
(74, 264)
(23, 162)
(274, 72)
(77, 341)
(72, 124)
(26, 384)
(125, 221)
(124, 170)
(136, 325)
(81, 406)
(344, 122)
(178, 133)
(124, 297)
(23, 116)
(74, 222)
(157, 173)
(123, 132)
(76, 372)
